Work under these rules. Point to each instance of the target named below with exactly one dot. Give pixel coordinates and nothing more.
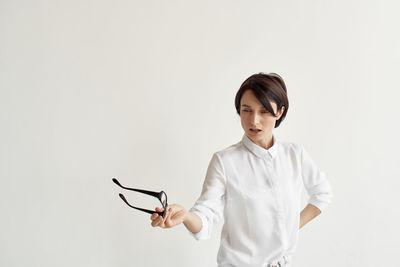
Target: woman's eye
(246, 110)
(265, 112)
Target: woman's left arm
(318, 188)
(307, 214)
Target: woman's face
(256, 121)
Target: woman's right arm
(210, 204)
(176, 214)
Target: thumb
(159, 209)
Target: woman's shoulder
(290, 145)
(230, 150)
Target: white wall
(144, 91)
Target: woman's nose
(255, 118)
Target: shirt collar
(258, 150)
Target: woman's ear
(280, 112)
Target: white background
(144, 91)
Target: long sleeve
(315, 182)
(209, 206)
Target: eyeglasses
(162, 196)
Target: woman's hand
(175, 215)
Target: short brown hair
(266, 88)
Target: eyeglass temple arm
(151, 193)
(162, 213)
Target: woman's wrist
(192, 222)
(187, 217)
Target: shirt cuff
(321, 201)
(320, 205)
(203, 234)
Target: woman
(256, 185)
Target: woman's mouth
(255, 131)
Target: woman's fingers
(158, 220)
(173, 216)
(159, 209)
(153, 218)
(168, 221)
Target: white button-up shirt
(258, 191)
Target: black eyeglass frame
(158, 195)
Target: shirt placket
(277, 197)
